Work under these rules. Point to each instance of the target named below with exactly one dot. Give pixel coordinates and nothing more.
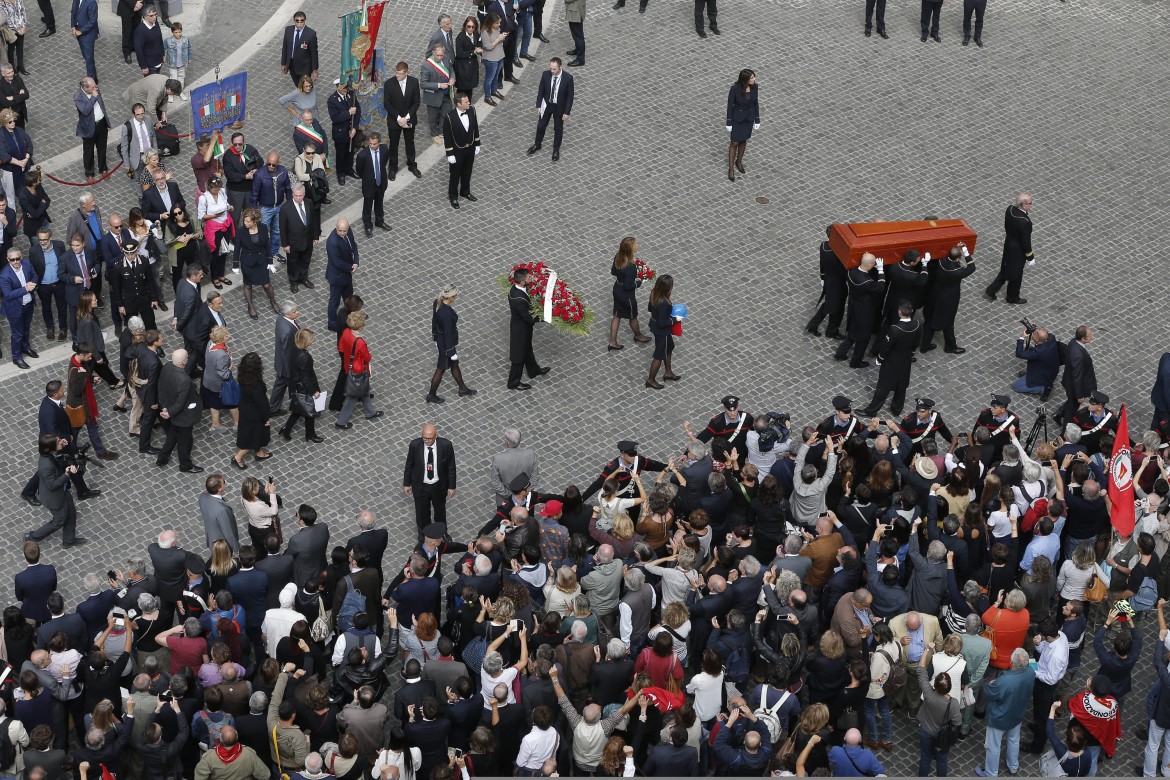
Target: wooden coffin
(890, 240)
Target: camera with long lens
(79, 456)
(1029, 326)
(774, 432)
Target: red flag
(374, 15)
(1121, 480)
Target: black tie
(430, 463)
(296, 41)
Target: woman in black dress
(625, 302)
(743, 116)
(661, 323)
(252, 433)
(303, 386)
(252, 258)
(467, 51)
(445, 331)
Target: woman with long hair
(491, 41)
(252, 258)
(181, 239)
(263, 510)
(221, 565)
(348, 306)
(467, 51)
(400, 754)
(445, 332)
(661, 323)
(303, 98)
(253, 432)
(303, 387)
(18, 637)
(625, 301)
(743, 116)
(89, 331)
(420, 640)
(218, 228)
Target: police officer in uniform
(999, 423)
(834, 290)
(435, 544)
(522, 495)
(732, 425)
(924, 424)
(942, 299)
(1094, 420)
(620, 469)
(133, 289)
(895, 353)
(346, 116)
(842, 424)
(1017, 250)
(867, 284)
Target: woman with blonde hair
(355, 356)
(445, 332)
(814, 721)
(151, 161)
(221, 565)
(828, 669)
(621, 538)
(216, 371)
(304, 388)
(676, 621)
(625, 286)
(560, 589)
(303, 98)
(262, 506)
(104, 718)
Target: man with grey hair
(373, 539)
(95, 607)
(300, 230)
(1017, 250)
(610, 676)
(977, 654)
(314, 769)
(928, 582)
(590, 730)
(510, 463)
(169, 562)
(634, 610)
(1008, 696)
(808, 490)
(577, 657)
(788, 557)
(252, 727)
(286, 329)
(444, 37)
(603, 585)
(181, 406)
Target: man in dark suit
(676, 759)
(110, 251)
(931, 9)
(342, 250)
(942, 298)
(208, 315)
(18, 280)
(278, 567)
(169, 561)
(1080, 378)
(92, 131)
(83, 23)
(554, 100)
(54, 492)
(286, 329)
(46, 252)
(308, 545)
(461, 136)
(1017, 249)
(158, 201)
(150, 359)
(249, 587)
(300, 232)
(133, 289)
(413, 690)
(35, 584)
(895, 353)
(401, 98)
(130, 12)
(70, 624)
(370, 166)
(345, 116)
(1042, 352)
(298, 52)
(81, 273)
(866, 288)
(51, 418)
(373, 539)
(520, 333)
(429, 476)
(187, 303)
(148, 42)
(95, 608)
(180, 405)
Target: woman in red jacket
(355, 359)
(1010, 624)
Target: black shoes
(192, 470)
(936, 38)
(31, 501)
(49, 31)
(542, 38)
(955, 351)
(417, 173)
(924, 39)
(515, 80)
(703, 33)
(91, 493)
(928, 348)
(576, 63)
(715, 28)
(434, 398)
(521, 386)
(314, 438)
(1018, 302)
(345, 427)
(454, 203)
(543, 371)
(883, 34)
(868, 33)
(32, 353)
(812, 330)
(571, 52)
(556, 155)
(285, 435)
(21, 364)
(990, 295)
(383, 226)
(533, 149)
(468, 391)
(470, 197)
(77, 542)
(979, 42)
(369, 232)
(966, 40)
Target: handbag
(303, 404)
(1096, 590)
(229, 394)
(989, 633)
(76, 415)
(357, 385)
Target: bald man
(180, 407)
(242, 765)
(342, 251)
(743, 749)
(867, 288)
(1017, 250)
(852, 760)
(429, 477)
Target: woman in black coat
(445, 332)
(661, 323)
(743, 116)
(252, 258)
(303, 387)
(467, 51)
(252, 433)
(625, 301)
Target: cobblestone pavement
(1061, 102)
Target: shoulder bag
(276, 749)
(76, 414)
(229, 394)
(1096, 591)
(357, 385)
(989, 633)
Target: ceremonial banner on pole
(373, 24)
(351, 62)
(1121, 514)
(218, 104)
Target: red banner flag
(374, 17)
(1121, 480)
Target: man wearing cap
(731, 424)
(429, 476)
(895, 353)
(522, 495)
(434, 545)
(510, 463)
(942, 298)
(133, 289)
(554, 537)
(625, 465)
(924, 424)
(196, 595)
(867, 286)
(1042, 352)
(842, 423)
(998, 422)
(1094, 420)
(346, 116)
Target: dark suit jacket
(51, 418)
(397, 104)
(564, 102)
(415, 470)
(202, 321)
(13, 292)
(672, 761)
(177, 394)
(279, 570)
(374, 541)
(457, 140)
(307, 548)
(170, 569)
(285, 330)
(36, 256)
(520, 325)
(294, 233)
(187, 302)
(84, 16)
(149, 371)
(1079, 379)
(304, 60)
(72, 625)
(363, 166)
(343, 255)
(33, 586)
(71, 269)
(412, 693)
(34, 207)
(1043, 362)
(130, 287)
(54, 482)
(95, 609)
(111, 250)
(152, 202)
(250, 590)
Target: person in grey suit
(511, 463)
(307, 546)
(436, 79)
(180, 405)
(91, 130)
(286, 328)
(55, 495)
(186, 305)
(446, 38)
(219, 521)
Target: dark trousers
(1012, 276)
(976, 7)
(63, 519)
(393, 132)
(20, 326)
(435, 114)
(931, 10)
(858, 347)
(258, 537)
(181, 436)
(310, 423)
(426, 498)
(948, 336)
(528, 363)
(832, 303)
(16, 57)
(880, 5)
(577, 30)
(712, 12)
(86, 44)
(928, 753)
(95, 143)
(459, 181)
(129, 25)
(343, 156)
(897, 387)
(164, 12)
(510, 44)
(1043, 695)
(46, 7)
(50, 294)
(146, 427)
(376, 204)
(538, 18)
(553, 112)
(337, 294)
(279, 386)
(33, 486)
(298, 264)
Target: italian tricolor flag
(217, 148)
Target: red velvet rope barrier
(168, 135)
(103, 177)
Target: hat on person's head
(730, 403)
(519, 483)
(195, 564)
(337, 81)
(1000, 400)
(552, 508)
(926, 468)
(130, 246)
(1097, 397)
(435, 531)
(922, 404)
(628, 447)
(842, 404)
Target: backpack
(214, 727)
(735, 661)
(7, 749)
(1146, 596)
(898, 676)
(353, 603)
(126, 127)
(768, 716)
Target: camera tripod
(1038, 427)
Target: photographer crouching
(55, 468)
(1041, 350)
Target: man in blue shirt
(46, 256)
(743, 750)
(852, 760)
(1046, 542)
(1007, 701)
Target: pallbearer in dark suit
(1017, 249)
(429, 476)
(520, 333)
(401, 99)
(445, 331)
(370, 166)
(661, 325)
(554, 100)
(942, 301)
(300, 232)
(834, 291)
(867, 284)
(895, 352)
(461, 136)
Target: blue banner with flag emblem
(218, 104)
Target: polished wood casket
(890, 240)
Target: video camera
(775, 432)
(79, 457)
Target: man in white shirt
(278, 622)
(1052, 650)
